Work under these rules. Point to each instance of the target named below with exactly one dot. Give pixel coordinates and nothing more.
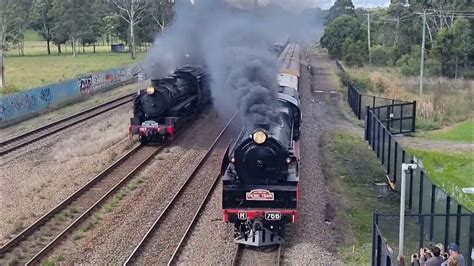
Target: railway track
(157, 245)
(22, 140)
(247, 256)
(34, 242)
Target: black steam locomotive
(165, 106)
(260, 176)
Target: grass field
(353, 183)
(444, 102)
(36, 68)
(450, 171)
(462, 132)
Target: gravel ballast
(44, 173)
(113, 239)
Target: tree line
(396, 36)
(82, 22)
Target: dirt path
(428, 144)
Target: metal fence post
(389, 155)
(383, 145)
(373, 130)
(458, 223)
(360, 106)
(401, 118)
(374, 237)
(413, 122)
(367, 124)
(395, 159)
(471, 237)
(432, 210)
(446, 225)
(420, 194)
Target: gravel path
(52, 116)
(427, 144)
(113, 239)
(43, 174)
(312, 241)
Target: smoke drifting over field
(235, 45)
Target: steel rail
(89, 211)
(48, 217)
(136, 251)
(194, 220)
(36, 134)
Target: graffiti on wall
(85, 85)
(24, 102)
(15, 106)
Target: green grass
(32, 71)
(37, 68)
(462, 132)
(353, 182)
(450, 171)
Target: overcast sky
(324, 4)
(357, 3)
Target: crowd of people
(433, 255)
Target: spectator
(432, 259)
(454, 257)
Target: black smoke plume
(235, 45)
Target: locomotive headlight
(288, 160)
(150, 90)
(259, 137)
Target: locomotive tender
(165, 106)
(260, 172)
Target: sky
(324, 4)
(357, 3)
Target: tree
(336, 33)
(42, 20)
(8, 29)
(340, 7)
(453, 46)
(70, 16)
(162, 12)
(133, 12)
(353, 53)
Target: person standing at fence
(434, 260)
(455, 258)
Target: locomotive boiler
(165, 106)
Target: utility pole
(422, 61)
(368, 37)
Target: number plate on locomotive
(242, 216)
(272, 216)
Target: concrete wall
(25, 103)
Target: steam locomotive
(260, 171)
(165, 106)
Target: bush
(354, 53)
(410, 64)
(382, 55)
